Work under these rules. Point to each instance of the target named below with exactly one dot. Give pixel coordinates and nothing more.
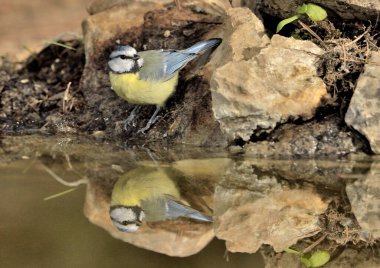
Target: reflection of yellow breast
(136, 91)
(142, 183)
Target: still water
(254, 202)
(55, 233)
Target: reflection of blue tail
(175, 210)
(202, 46)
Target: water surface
(254, 202)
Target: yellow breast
(132, 89)
(141, 184)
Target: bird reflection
(149, 194)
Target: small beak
(136, 57)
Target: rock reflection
(192, 181)
(364, 196)
(253, 209)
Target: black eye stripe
(127, 222)
(125, 57)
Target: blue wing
(167, 208)
(161, 65)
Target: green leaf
(319, 258)
(305, 261)
(282, 23)
(316, 13)
(302, 9)
(291, 251)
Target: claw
(130, 118)
(154, 118)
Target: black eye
(124, 223)
(123, 57)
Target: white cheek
(120, 66)
(130, 228)
(140, 62)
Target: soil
(46, 85)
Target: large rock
(251, 210)
(263, 84)
(364, 196)
(363, 113)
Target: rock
(243, 38)
(259, 85)
(317, 138)
(116, 20)
(251, 211)
(363, 112)
(364, 196)
(346, 9)
(180, 237)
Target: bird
(148, 194)
(150, 77)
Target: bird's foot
(130, 118)
(149, 124)
(151, 121)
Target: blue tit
(148, 194)
(150, 77)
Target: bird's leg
(131, 116)
(153, 119)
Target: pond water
(330, 205)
